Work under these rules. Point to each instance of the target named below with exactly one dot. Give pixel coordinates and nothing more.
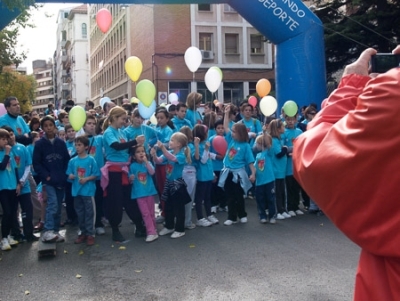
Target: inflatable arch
(289, 24)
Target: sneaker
(49, 236)
(280, 216)
(117, 236)
(100, 231)
(32, 238)
(243, 220)
(81, 238)
(105, 222)
(299, 212)
(228, 222)
(14, 241)
(286, 215)
(60, 238)
(203, 223)
(5, 245)
(151, 237)
(165, 231)
(190, 226)
(263, 221)
(223, 209)
(213, 219)
(291, 213)
(177, 234)
(214, 209)
(160, 219)
(38, 227)
(272, 221)
(90, 240)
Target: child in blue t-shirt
(265, 179)
(175, 193)
(179, 120)
(234, 178)
(143, 189)
(205, 176)
(82, 171)
(279, 160)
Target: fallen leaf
(78, 276)
(81, 252)
(138, 271)
(112, 246)
(65, 252)
(97, 246)
(321, 225)
(192, 246)
(27, 292)
(122, 248)
(20, 275)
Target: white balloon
(212, 79)
(173, 97)
(193, 58)
(268, 105)
(153, 119)
(104, 100)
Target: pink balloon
(220, 145)
(3, 110)
(104, 19)
(253, 101)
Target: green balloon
(290, 108)
(219, 71)
(77, 117)
(146, 92)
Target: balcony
(66, 87)
(63, 43)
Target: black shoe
(140, 233)
(117, 236)
(20, 238)
(32, 238)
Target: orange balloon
(263, 87)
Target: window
(181, 89)
(256, 44)
(205, 39)
(66, 15)
(207, 95)
(233, 92)
(228, 9)
(204, 7)
(84, 31)
(64, 35)
(231, 43)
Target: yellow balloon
(133, 67)
(77, 117)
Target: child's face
(181, 113)
(71, 134)
(11, 140)
(247, 112)
(220, 130)
(137, 121)
(3, 142)
(119, 122)
(90, 127)
(140, 154)
(174, 144)
(290, 122)
(49, 128)
(80, 148)
(61, 135)
(161, 119)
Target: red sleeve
(349, 160)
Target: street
(304, 258)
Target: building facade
(43, 73)
(160, 34)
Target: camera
(382, 62)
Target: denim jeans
(85, 210)
(265, 197)
(55, 196)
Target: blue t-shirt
(70, 147)
(194, 117)
(217, 163)
(252, 125)
(18, 124)
(279, 164)
(204, 172)
(8, 178)
(174, 169)
(288, 137)
(149, 133)
(95, 149)
(110, 136)
(238, 155)
(264, 168)
(83, 168)
(179, 123)
(164, 135)
(142, 185)
(30, 148)
(22, 159)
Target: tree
(354, 25)
(19, 85)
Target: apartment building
(160, 34)
(43, 73)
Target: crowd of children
(120, 163)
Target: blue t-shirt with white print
(238, 155)
(264, 168)
(142, 185)
(174, 169)
(279, 164)
(149, 133)
(8, 178)
(110, 136)
(288, 137)
(83, 168)
(204, 171)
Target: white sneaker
(213, 219)
(299, 212)
(214, 209)
(165, 231)
(5, 246)
(203, 223)
(263, 221)
(272, 221)
(177, 234)
(243, 220)
(151, 237)
(100, 231)
(190, 226)
(280, 216)
(291, 213)
(49, 236)
(228, 222)
(12, 241)
(286, 215)
(60, 238)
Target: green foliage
(351, 26)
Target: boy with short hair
(50, 161)
(83, 171)
(179, 120)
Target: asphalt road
(303, 258)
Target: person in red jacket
(348, 162)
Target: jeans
(55, 196)
(265, 196)
(85, 210)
